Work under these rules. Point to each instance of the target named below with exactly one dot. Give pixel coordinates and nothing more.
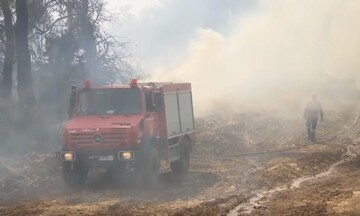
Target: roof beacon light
(133, 82)
(87, 84)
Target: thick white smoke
(278, 51)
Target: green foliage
(10, 117)
(10, 120)
(23, 130)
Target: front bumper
(104, 158)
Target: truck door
(150, 116)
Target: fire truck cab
(146, 128)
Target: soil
(308, 179)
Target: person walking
(312, 114)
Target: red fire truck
(145, 128)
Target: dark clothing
(312, 113)
(311, 128)
(313, 110)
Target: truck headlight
(68, 156)
(126, 155)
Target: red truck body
(118, 127)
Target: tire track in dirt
(214, 185)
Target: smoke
(271, 57)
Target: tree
(25, 88)
(68, 44)
(9, 50)
(73, 32)
(58, 43)
(87, 40)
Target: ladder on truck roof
(158, 84)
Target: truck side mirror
(72, 102)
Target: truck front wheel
(150, 168)
(74, 175)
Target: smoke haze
(270, 55)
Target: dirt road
(310, 179)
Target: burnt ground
(310, 179)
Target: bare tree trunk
(25, 88)
(9, 50)
(88, 42)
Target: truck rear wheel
(74, 175)
(182, 165)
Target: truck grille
(116, 136)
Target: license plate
(106, 158)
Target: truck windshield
(109, 102)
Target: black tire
(150, 168)
(74, 175)
(182, 165)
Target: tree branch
(45, 32)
